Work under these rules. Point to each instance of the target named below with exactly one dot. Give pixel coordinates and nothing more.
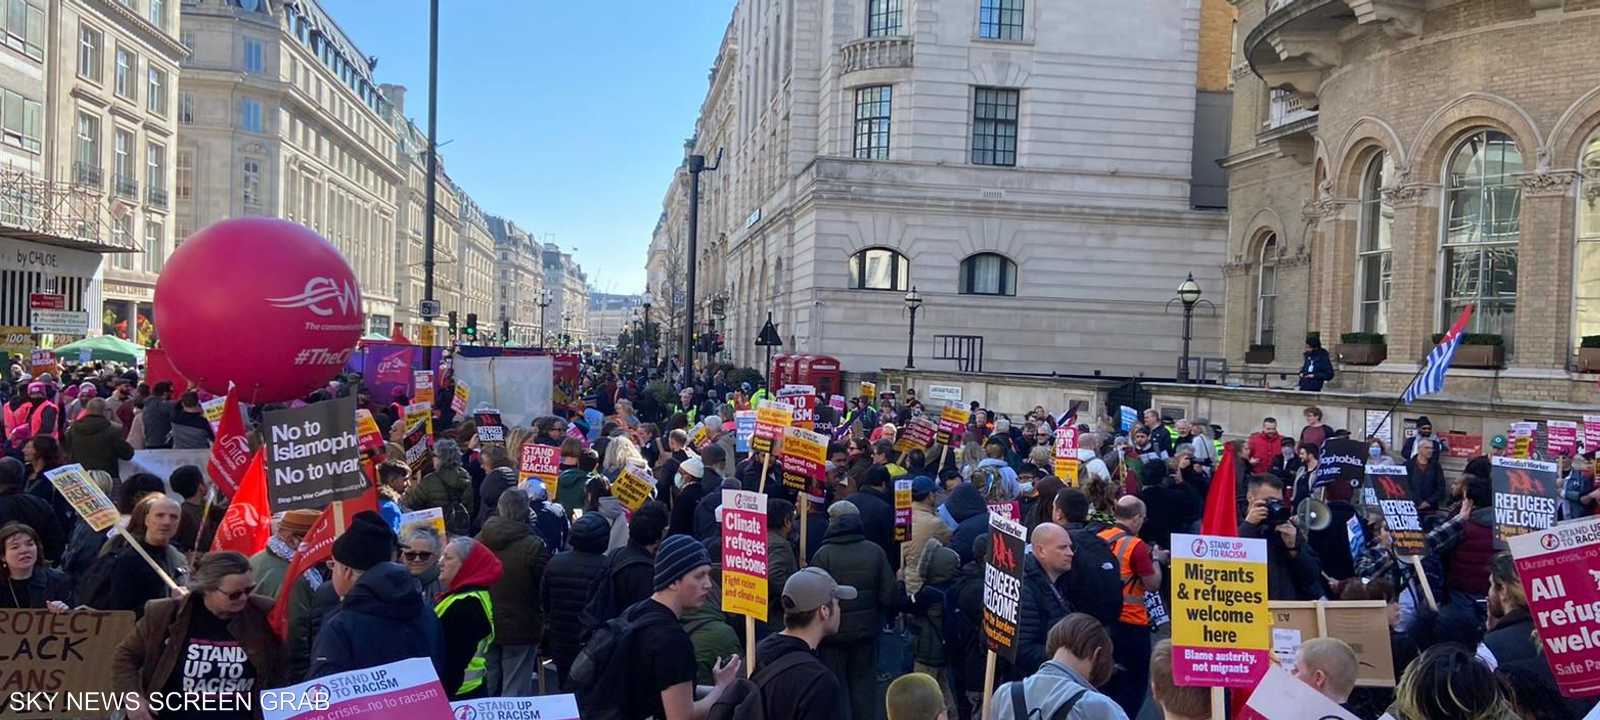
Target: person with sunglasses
(218, 620)
(419, 551)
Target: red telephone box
(777, 377)
(820, 372)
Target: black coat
(705, 514)
(681, 521)
(35, 512)
(1296, 578)
(877, 520)
(382, 620)
(805, 691)
(1315, 370)
(1042, 605)
(567, 579)
(851, 560)
(971, 515)
(494, 482)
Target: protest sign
(902, 509)
(41, 362)
(804, 457)
(1380, 425)
(632, 488)
(1011, 509)
(418, 439)
(804, 400)
(74, 484)
(1561, 438)
(430, 518)
(406, 689)
(699, 436)
(869, 391)
(422, 382)
(1129, 418)
(1356, 535)
(1002, 585)
(491, 429)
(367, 430)
(213, 410)
(952, 423)
(540, 707)
(458, 401)
(1341, 461)
(837, 403)
(1463, 446)
(1280, 696)
(744, 553)
(312, 455)
(1520, 438)
(542, 462)
(1361, 624)
(772, 418)
(744, 426)
(1591, 433)
(65, 658)
(1559, 568)
(1066, 455)
(916, 435)
(1400, 513)
(1526, 494)
(1219, 605)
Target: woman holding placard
(29, 585)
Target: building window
(154, 246)
(20, 121)
(86, 154)
(187, 38)
(158, 13)
(186, 108)
(155, 160)
(1478, 263)
(1000, 19)
(1267, 290)
(22, 27)
(89, 58)
(119, 238)
(994, 126)
(879, 269)
(884, 17)
(185, 171)
(1586, 286)
(157, 99)
(250, 114)
(127, 70)
(1375, 271)
(123, 179)
(988, 274)
(251, 184)
(252, 56)
(872, 122)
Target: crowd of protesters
(625, 605)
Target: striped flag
(1431, 379)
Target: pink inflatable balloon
(264, 303)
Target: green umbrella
(104, 348)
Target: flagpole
(1453, 335)
(1421, 367)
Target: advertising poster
(902, 509)
(1002, 586)
(772, 418)
(541, 707)
(542, 462)
(74, 484)
(406, 689)
(632, 487)
(422, 380)
(67, 656)
(1560, 571)
(952, 423)
(458, 401)
(916, 435)
(491, 429)
(1591, 433)
(1400, 516)
(804, 400)
(1221, 636)
(367, 430)
(1066, 455)
(1561, 438)
(804, 457)
(312, 455)
(1526, 494)
(16, 339)
(744, 427)
(744, 553)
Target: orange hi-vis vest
(1123, 543)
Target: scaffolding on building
(60, 213)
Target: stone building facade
(475, 264)
(518, 282)
(568, 314)
(1392, 162)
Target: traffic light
(472, 326)
(716, 343)
(452, 318)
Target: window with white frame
(22, 26)
(872, 122)
(185, 174)
(994, 126)
(1478, 251)
(1267, 290)
(1374, 276)
(884, 17)
(879, 269)
(254, 62)
(1586, 261)
(91, 57)
(119, 237)
(155, 161)
(1000, 19)
(988, 274)
(186, 108)
(127, 84)
(250, 183)
(87, 150)
(250, 114)
(122, 155)
(156, 99)
(21, 121)
(154, 246)
(158, 13)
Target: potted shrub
(1361, 348)
(1259, 354)
(1589, 354)
(1478, 350)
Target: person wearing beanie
(448, 487)
(565, 589)
(915, 696)
(925, 525)
(660, 655)
(466, 615)
(269, 565)
(381, 617)
(852, 653)
(686, 496)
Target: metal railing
(126, 186)
(85, 174)
(965, 350)
(1286, 108)
(156, 197)
(32, 208)
(877, 52)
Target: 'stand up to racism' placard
(744, 553)
(1221, 634)
(1560, 571)
(1525, 493)
(313, 455)
(1002, 585)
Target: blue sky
(566, 117)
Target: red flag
(315, 547)
(159, 368)
(230, 454)
(248, 523)
(1222, 510)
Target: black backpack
(602, 605)
(1094, 585)
(600, 671)
(94, 589)
(457, 519)
(743, 699)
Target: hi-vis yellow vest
(478, 667)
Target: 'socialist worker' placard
(313, 455)
(1525, 493)
(1221, 630)
(771, 419)
(1400, 514)
(744, 553)
(1002, 585)
(1560, 571)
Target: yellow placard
(422, 380)
(632, 490)
(870, 392)
(1221, 627)
(16, 339)
(1067, 471)
(698, 439)
(425, 335)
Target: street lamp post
(544, 302)
(697, 165)
(913, 301)
(649, 350)
(1189, 296)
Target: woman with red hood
(466, 569)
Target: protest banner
(1591, 433)
(491, 429)
(1526, 495)
(61, 662)
(1561, 438)
(952, 423)
(1341, 461)
(1400, 513)
(699, 436)
(542, 462)
(870, 392)
(744, 561)
(405, 689)
(1519, 438)
(1128, 417)
(632, 488)
(1462, 445)
(1559, 568)
(367, 430)
(1002, 596)
(432, 518)
(916, 435)
(804, 459)
(1219, 603)
(1361, 624)
(1011, 509)
(458, 401)
(213, 411)
(540, 707)
(1280, 696)
(422, 384)
(804, 400)
(902, 509)
(312, 455)
(837, 403)
(74, 484)
(418, 439)
(1066, 455)
(41, 362)
(744, 426)
(772, 418)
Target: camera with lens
(1277, 513)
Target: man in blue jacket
(381, 617)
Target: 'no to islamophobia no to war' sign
(313, 456)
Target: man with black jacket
(1293, 572)
(875, 498)
(794, 683)
(629, 576)
(567, 579)
(1042, 602)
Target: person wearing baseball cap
(793, 681)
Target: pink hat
(88, 390)
(36, 388)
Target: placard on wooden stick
(1363, 624)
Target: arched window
(879, 269)
(1478, 257)
(1586, 284)
(1377, 242)
(1266, 290)
(988, 274)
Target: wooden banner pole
(1219, 703)
(805, 517)
(749, 646)
(338, 518)
(1422, 580)
(153, 565)
(988, 683)
(205, 515)
(766, 463)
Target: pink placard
(1559, 567)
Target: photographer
(1293, 572)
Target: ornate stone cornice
(1399, 195)
(1553, 182)
(1237, 268)
(1591, 185)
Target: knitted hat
(678, 556)
(591, 533)
(842, 508)
(367, 542)
(693, 467)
